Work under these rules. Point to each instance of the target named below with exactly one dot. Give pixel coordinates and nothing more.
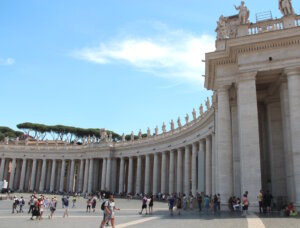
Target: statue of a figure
(164, 128)
(89, 139)
(194, 115)
(148, 132)
(201, 110)
(123, 137)
(110, 139)
(243, 14)
(103, 134)
(83, 141)
(172, 125)
(132, 136)
(26, 141)
(187, 118)
(207, 103)
(222, 31)
(179, 122)
(17, 140)
(140, 134)
(285, 7)
(156, 131)
(93, 139)
(6, 140)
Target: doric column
(121, 180)
(138, 174)
(179, 171)
(79, 186)
(17, 175)
(23, 172)
(171, 172)
(155, 174)
(103, 174)
(194, 169)
(163, 172)
(91, 168)
(12, 174)
(293, 75)
(71, 176)
(62, 176)
(213, 165)
(33, 173)
(2, 168)
(201, 166)
(208, 166)
(225, 163)
(130, 175)
(248, 136)
(86, 176)
(108, 174)
(147, 175)
(187, 170)
(52, 180)
(42, 183)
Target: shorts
(144, 206)
(245, 207)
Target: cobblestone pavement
(128, 217)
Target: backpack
(103, 205)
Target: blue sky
(121, 65)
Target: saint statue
(132, 136)
(201, 110)
(83, 141)
(285, 7)
(17, 140)
(140, 134)
(110, 137)
(93, 139)
(222, 31)
(6, 140)
(123, 137)
(164, 127)
(194, 114)
(243, 14)
(89, 139)
(207, 103)
(179, 122)
(187, 118)
(148, 132)
(172, 125)
(156, 131)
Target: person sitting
(290, 210)
(237, 204)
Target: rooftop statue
(132, 136)
(123, 137)
(6, 139)
(164, 127)
(222, 29)
(93, 139)
(110, 137)
(156, 131)
(194, 114)
(17, 140)
(207, 104)
(187, 118)
(243, 14)
(140, 134)
(172, 125)
(179, 122)
(201, 110)
(286, 7)
(148, 132)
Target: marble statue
(140, 134)
(93, 139)
(179, 122)
(148, 132)
(172, 125)
(110, 139)
(187, 118)
(132, 136)
(164, 128)
(194, 114)
(285, 7)
(123, 137)
(89, 139)
(243, 14)
(83, 141)
(207, 103)
(6, 139)
(201, 110)
(156, 131)
(222, 30)
(17, 140)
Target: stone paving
(128, 217)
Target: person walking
(144, 205)
(199, 200)
(245, 204)
(215, 202)
(66, 206)
(179, 205)
(260, 198)
(94, 202)
(52, 207)
(74, 201)
(219, 202)
(15, 204)
(88, 205)
(206, 204)
(109, 212)
(21, 204)
(171, 203)
(31, 204)
(150, 205)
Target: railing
(265, 26)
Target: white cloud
(7, 61)
(176, 55)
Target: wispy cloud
(175, 55)
(7, 61)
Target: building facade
(248, 138)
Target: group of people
(18, 203)
(91, 203)
(147, 204)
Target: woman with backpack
(52, 207)
(109, 212)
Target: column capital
(223, 88)
(247, 76)
(291, 71)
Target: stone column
(155, 174)
(249, 136)
(138, 174)
(225, 162)
(130, 175)
(293, 76)
(42, 183)
(79, 186)
(194, 169)
(12, 174)
(17, 175)
(213, 162)
(121, 180)
(208, 166)
(171, 172)
(147, 175)
(179, 171)
(108, 174)
(86, 176)
(2, 169)
(71, 176)
(90, 185)
(187, 160)
(163, 172)
(52, 180)
(23, 172)
(103, 174)
(62, 176)
(32, 179)
(201, 171)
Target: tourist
(219, 202)
(245, 204)
(66, 206)
(151, 205)
(31, 204)
(171, 202)
(15, 204)
(21, 204)
(35, 209)
(267, 198)
(199, 200)
(236, 204)
(290, 210)
(144, 205)
(215, 202)
(179, 204)
(191, 202)
(88, 205)
(46, 202)
(62, 201)
(260, 201)
(52, 207)
(184, 202)
(74, 201)
(109, 212)
(206, 204)
(94, 202)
